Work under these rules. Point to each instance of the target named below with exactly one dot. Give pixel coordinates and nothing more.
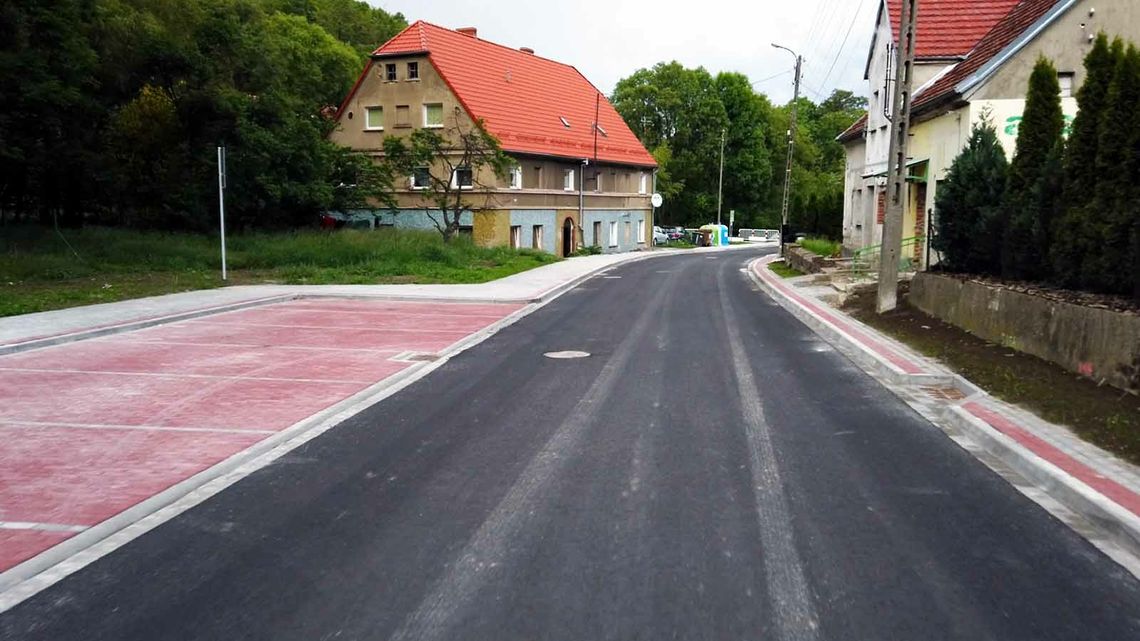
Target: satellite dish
(656, 199)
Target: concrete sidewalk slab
(1099, 487)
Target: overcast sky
(608, 40)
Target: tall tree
(1033, 196)
(1074, 240)
(1108, 269)
(968, 222)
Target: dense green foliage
(1070, 211)
(679, 115)
(112, 109)
(969, 222)
(41, 270)
(1033, 196)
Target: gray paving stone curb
(1117, 522)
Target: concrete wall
(1098, 343)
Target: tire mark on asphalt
(792, 607)
(491, 544)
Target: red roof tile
(951, 28)
(522, 97)
(1021, 17)
(1004, 33)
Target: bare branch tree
(446, 169)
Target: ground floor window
(598, 233)
(641, 231)
(536, 237)
(516, 236)
(613, 234)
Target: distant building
(581, 176)
(972, 58)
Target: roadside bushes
(1065, 212)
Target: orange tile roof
(521, 97)
(951, 28)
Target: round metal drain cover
(567, 354)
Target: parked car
(659, 236)
(675, 233)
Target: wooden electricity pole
(896, 177)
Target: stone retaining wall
(805, 261)
(1099, 343)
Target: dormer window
(565, 122)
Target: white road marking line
(159, 341)
(232, 377)
(141, 428)
(41, 527)
(793, 610)
(327, 328)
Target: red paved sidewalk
(91, 428)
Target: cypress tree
(1072, 232)
(967, 217)
(1034, 191)
(1109, 267)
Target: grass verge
(40, 270)
(1102, 415)
(821, 247)
(783, 270)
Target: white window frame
(412, 180)
(613, 239)
(516, 236)
(598, 182)
(536, 234)
(366, 112)
(643, 183)
(516, 177)
(433, 104)
(455, 178)
(641, 231)
(391, 72)
(409, 70)
(1066, 80)
(568, 180)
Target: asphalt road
(712, 471)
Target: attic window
(565, 122)
(601, 130)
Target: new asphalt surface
(712, 470)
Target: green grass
(821, 247)
(783, 270)
(39, 271)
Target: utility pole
(720, 185)
(222, 204)
(791, 148)
(896, 177)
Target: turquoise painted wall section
(625, 242)
(408, 218)
(527, 219)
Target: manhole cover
(566, 354)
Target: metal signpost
(222, 203)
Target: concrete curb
(1120, 525)
(130, 326)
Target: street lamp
(791, 147)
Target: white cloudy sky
(608, 40)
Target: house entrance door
(568, 237)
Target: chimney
(527, 50)
(468, 31)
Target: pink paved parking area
(88, 429)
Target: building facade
(579, 175)
(954, 91)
